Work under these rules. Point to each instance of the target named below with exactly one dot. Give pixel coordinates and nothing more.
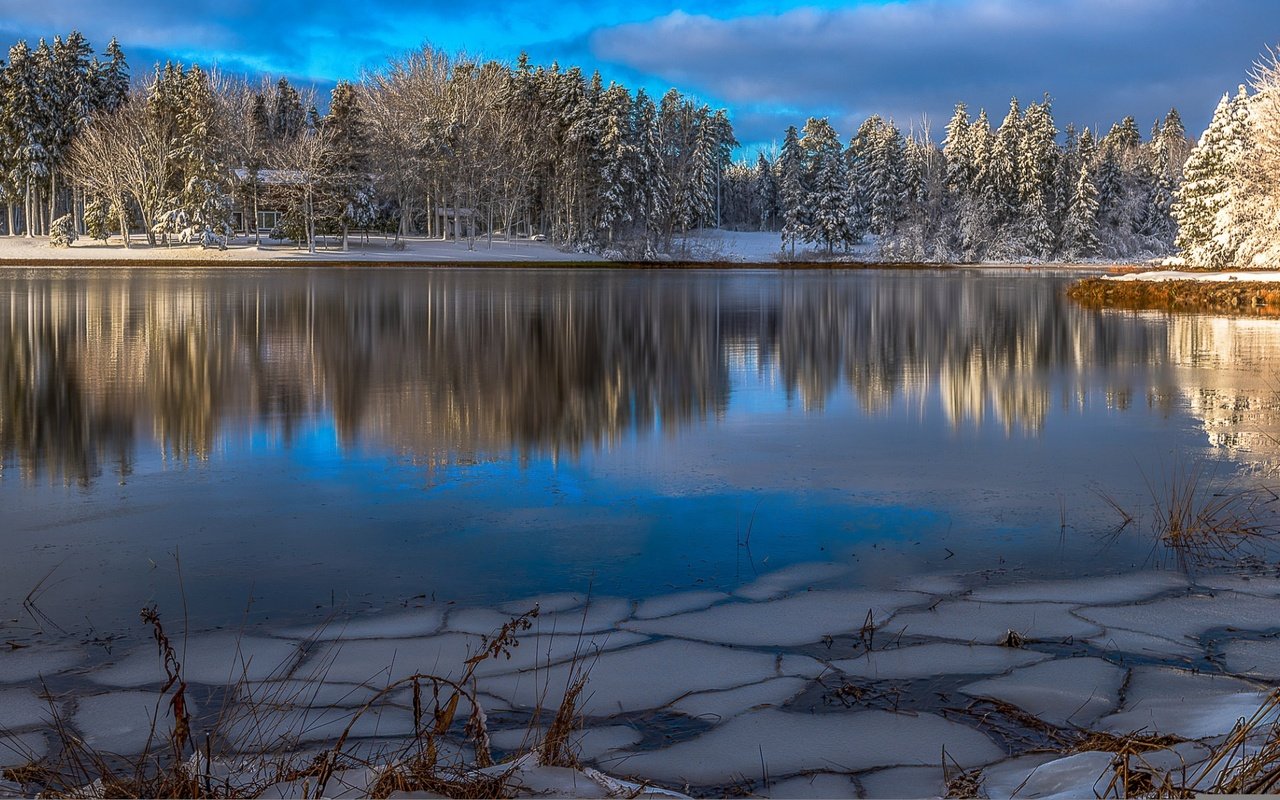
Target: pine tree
(957, 149)
(1080, 230)
(827, 202)
(766, 192)
(111, 79)
(792, 190)
(288, 118)
(619, 188)
(347, 160)
(1202, 207)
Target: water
(254, 445)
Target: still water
(275, 444)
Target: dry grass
(1252, 298)
(246, 752)
(1198, 519)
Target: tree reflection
(445, 366)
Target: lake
(275, 444)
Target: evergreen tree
(1203, 206)
(111, 79)
(793, 193)
(827, 202)
(347, 160)
(767, 193)
(1080, 230)
(288, 118)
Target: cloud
(1100, 59)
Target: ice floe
(989, 623)
(897, 782)
(603, 614)
(642, 677)
(800, 619)
(125, 722)
(788, 579)
(1256, 658)
(1073, 691)
(1075, 776)
(787, 743)
(1244, 584)
(17, 749)
(1119, 640)
(819, 785)
(591, 744)
(720, 705)
(381, 661)
(21, 708)
(680, 603)
(939, 658)
(1091, 591)
(419, 622)
(218, 659)
(39, 660)
(1192, 705)
(1190, 616)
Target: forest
(449, 146)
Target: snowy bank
(20, 251)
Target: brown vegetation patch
(1249, 298)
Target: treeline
(432, 143)
(1024, 189)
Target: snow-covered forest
(1023, 189)
(449, 146)
(434, 144)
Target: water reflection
(448, 366)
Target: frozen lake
(773, 509)
(312, 439)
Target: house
(270, 215)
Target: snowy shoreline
(795, 669)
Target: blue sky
(771, 63)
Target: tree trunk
(13, 219)
(53, 200)
(26, 211)
(344, 237)
(311, 225)
(124, 223)
(257, 232)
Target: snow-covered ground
(20, 249)
(776, 680)
(1249, 276)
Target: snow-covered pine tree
(827, 202)
(651, 180)
(1080, 229)
(288, 117)
(24, 110)
(767, 193)
(617, 160)
(347, 161)
(957, 149)
(111, 79)
(1202, 206)
(793, 193)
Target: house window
(268, 220)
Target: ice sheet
(1068, 691)
(988, 623)
(941, 658)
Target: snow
(800, 619)
(1094, 591)
(20, 708)
(721, 705)
(788, 579)
(307, 693)
(121, 722)
(417, 249)
(1243, 584)
(939, 658)
(1190, 616)
(1259, 659)
(546, 603)
(670, 604)
(1064, 692)
(218, 659)
(988, 623)
(1192, 705)
(642, 677)
(270, 729)
(1248, 276)
(789, 743)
